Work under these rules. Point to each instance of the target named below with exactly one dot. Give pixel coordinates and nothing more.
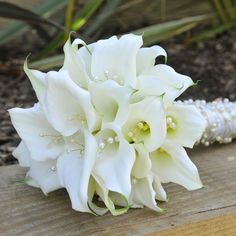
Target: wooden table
(209, 211)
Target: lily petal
(68, 106)
(44, 174)
(115, 161)
(142, 164)
(190, 124)
(160, 191)
(74, 64)
(91, 192)
(42, 141)
(116, 59)
(75, 167)
(146, 57)
(144, 194)
(22, 154)
(38, 82)
(172, 164)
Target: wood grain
(209, 211)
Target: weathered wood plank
(209, 211)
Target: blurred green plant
(92, 18)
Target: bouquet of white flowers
(107, 124)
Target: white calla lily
(110, 100)
(74, 64)
(42, 174)
(115, 159)
(146, 123)
(143, 194)
(107, 198)
(68, 106)
(185, 124)
(40, 138)
(172, 164)
(162, 79)
(74, 168)
(146, 58)
(116, 59)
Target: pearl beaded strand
(221, 120)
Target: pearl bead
(116, 139)
(110, 140)
(53, 168)
(172, 125)
(130, 134)
(101, 145)
(140, 125)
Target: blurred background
(199, 37)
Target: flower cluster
(106, 127)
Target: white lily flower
(172, 164)
(162, 79)
(42, 174)
(115, 59)
(40, 138)
(115, 159)
(185, 124)
(68, 106)
(74, 168)
(145, 123)
(110, 100)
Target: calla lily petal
(74, 64)
(38, 81)
(146, 57)
(42, 141)
(68, 106)
(44, 174)
(22, 154)
(190, 124)
(115, 160)
(172, 164)
(91, 192)
(160, 191)
(75, 166)
(142, 164)
(144, 194)
(116, 59)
